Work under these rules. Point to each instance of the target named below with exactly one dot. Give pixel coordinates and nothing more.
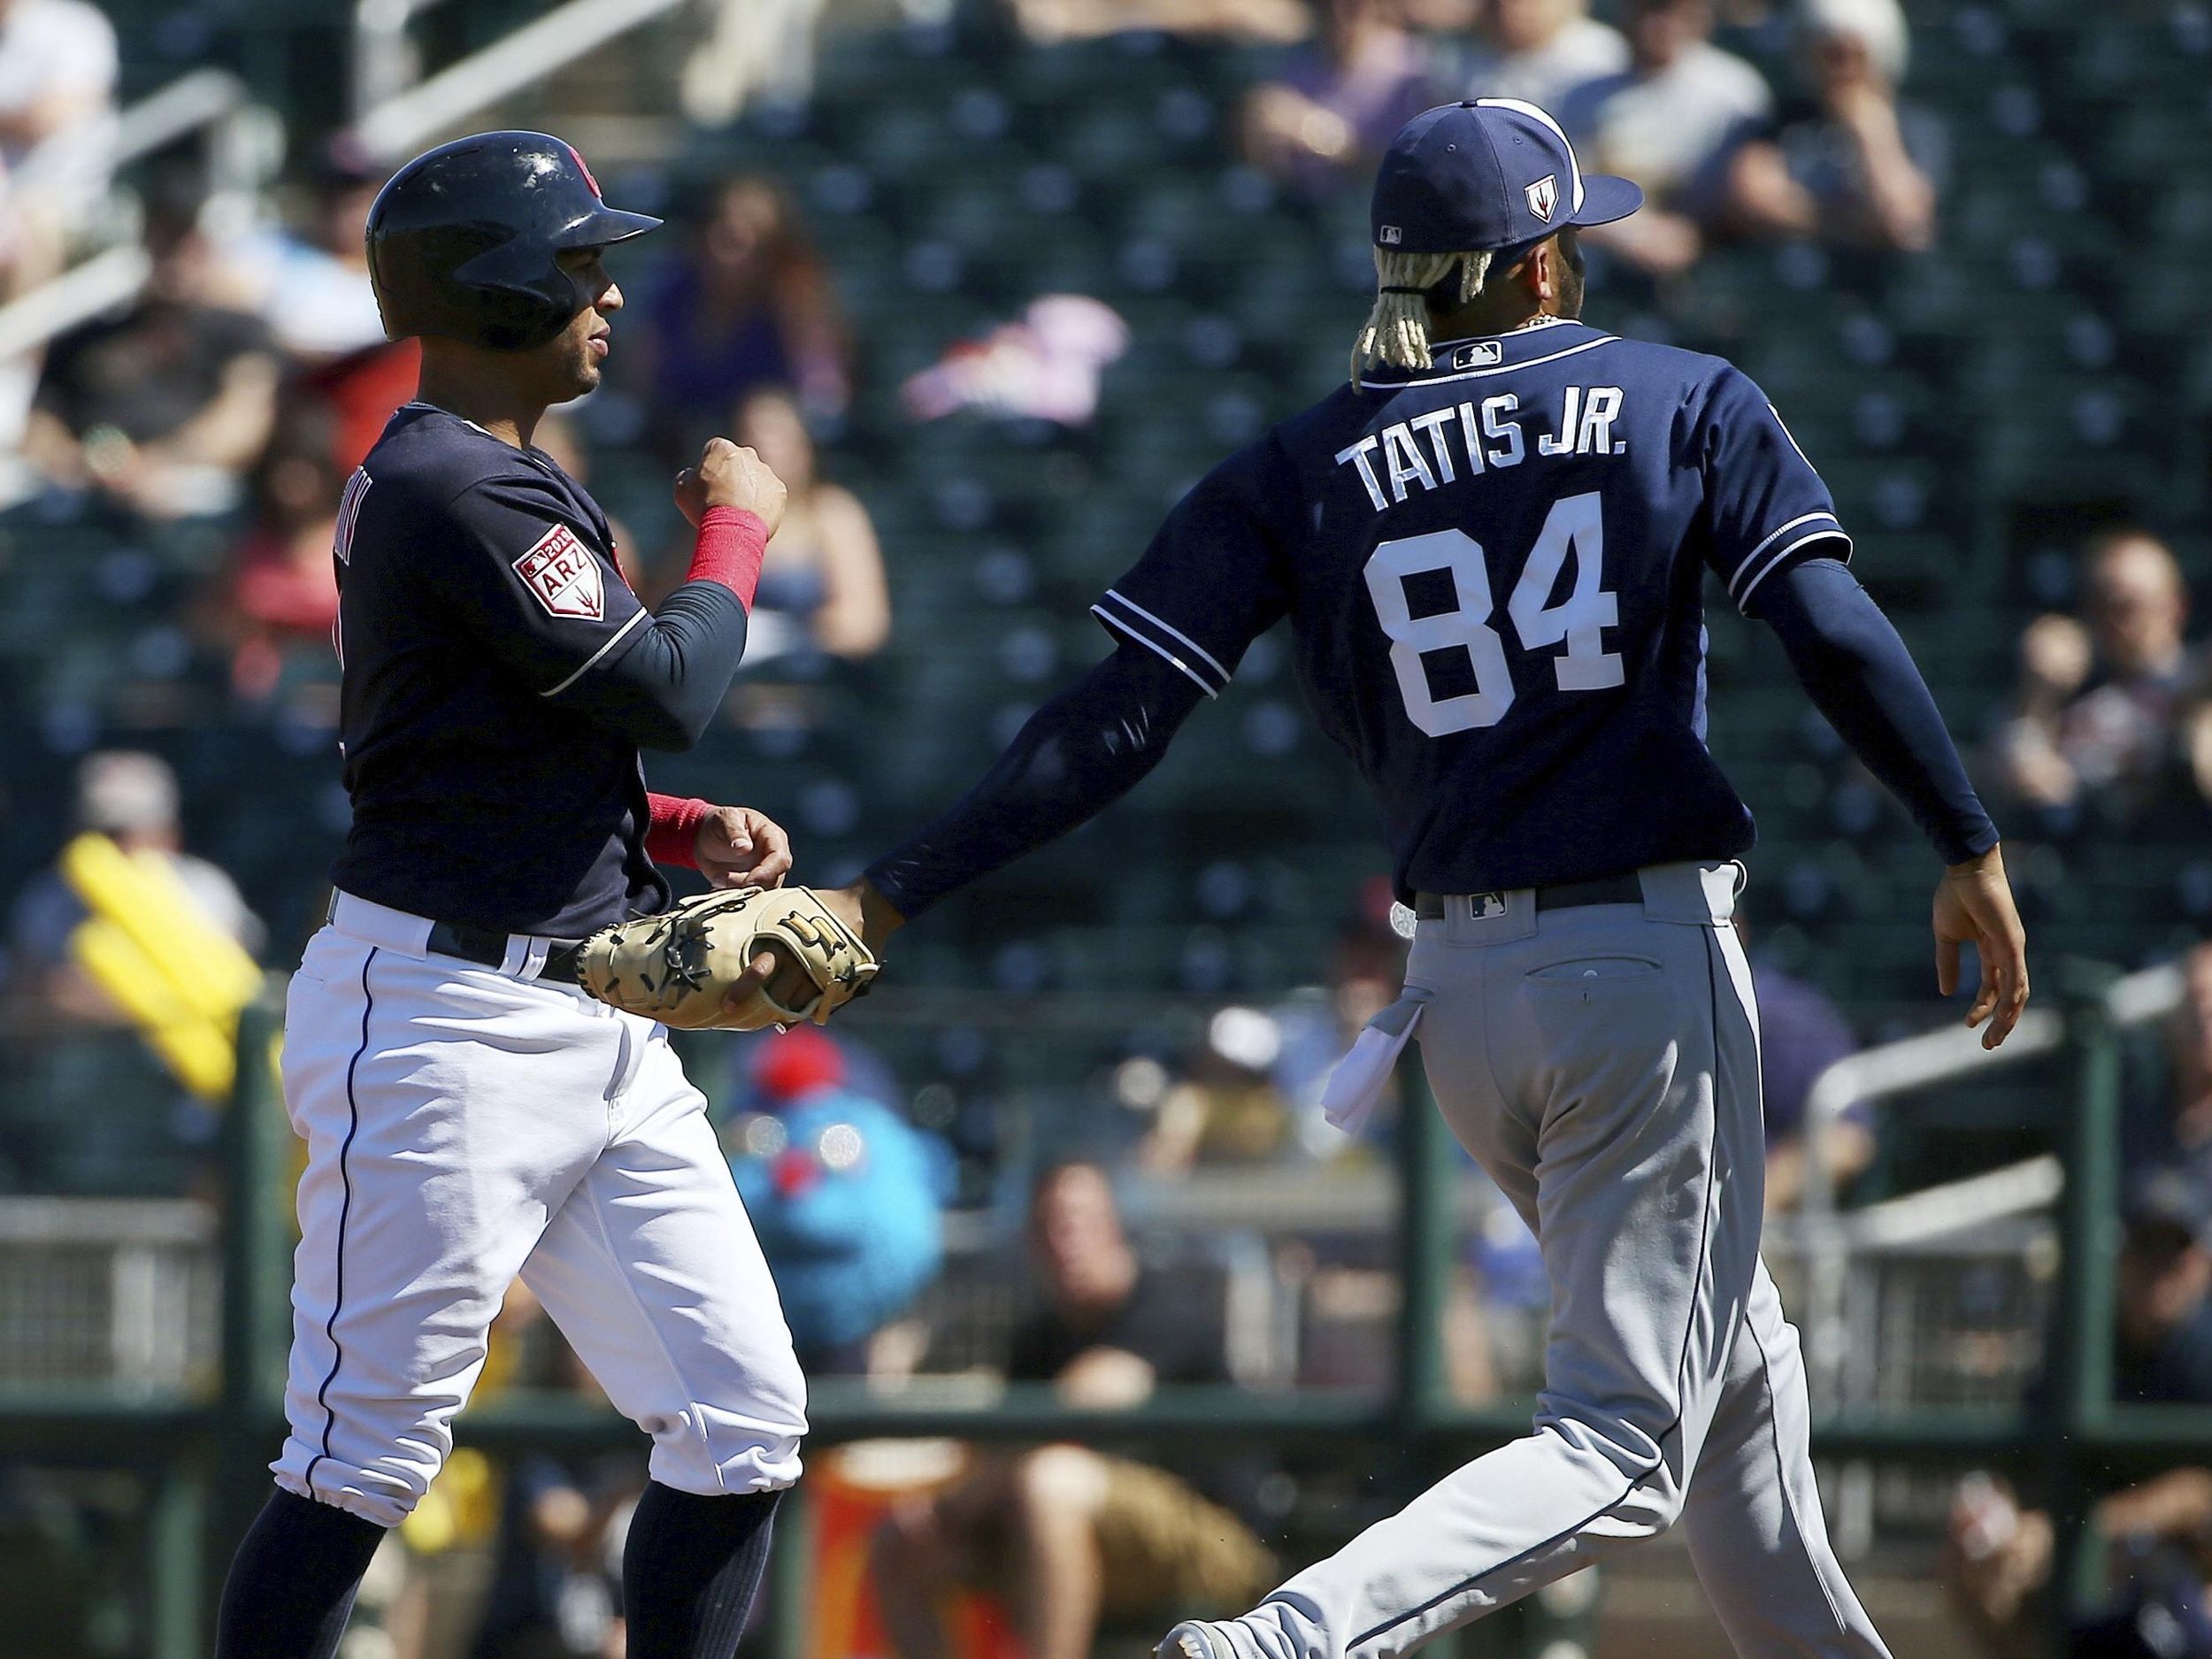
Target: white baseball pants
(464, 1125)
(1602, 1064)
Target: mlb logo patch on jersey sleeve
(563, 574)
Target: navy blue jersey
(1494, 572)
(478, 587)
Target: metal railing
(209, 1456)
(403, 122)
(384, 60)
(242, 153)
(393, 117)
(122, 1289)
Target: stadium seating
(1973, 407)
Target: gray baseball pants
(1602, 1063)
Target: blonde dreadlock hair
(1397, 330)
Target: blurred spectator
(1998, 1560)
(1225, 1108)
(1319, 1025)
(1801, 1034)
(844, 1195)
(2194, 724)
(2167, 1090)
(164, 406)
(1854, 166)
(58, 70)
(1670, 121)
(1046, 367)
(311, 285)
(750, 307)
(2189, 1050)
(2093, 719)
(1536, 51)
(555, 1590)
(362, 391)
(823, 585)
(558, 441)
(1433, 18)
(131, 798)
(1997, 1567)
(556, 1586)
(21, 270)
(2164, 1289)
(276, 601)
(748, 48)
(1324, 119)
(1047, 21)
(1066, 1534)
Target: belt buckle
(1483, 906)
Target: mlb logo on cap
(1486, 175)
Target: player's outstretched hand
(740, 847)
(729, 476)
(1973, 905)
(859, 907)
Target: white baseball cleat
(1193, 1639)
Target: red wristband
(732, 542)
(672, 837)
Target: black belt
(1429, 907)
(489, 947)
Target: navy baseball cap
(1486, 175)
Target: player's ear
(1534, 274)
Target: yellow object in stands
(147, 944)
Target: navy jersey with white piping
(479, 593)
(1494, 572)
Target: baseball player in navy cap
(1491, 547)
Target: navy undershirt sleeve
(1075, 756)
(1860, 677)
(664, 688)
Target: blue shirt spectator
(1670, 121)
(2163, 1354)
(1337, 103)
(1801, 1034)
(1849, 162)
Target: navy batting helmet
(463, 240)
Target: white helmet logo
(1543, 196)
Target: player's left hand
(1973, 905)
(740, 847)
(859, 907)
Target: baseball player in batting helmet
(471, 1113)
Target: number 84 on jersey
(1574, 528)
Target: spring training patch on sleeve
(563, 575)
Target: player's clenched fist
(729, 476)
(739, 847)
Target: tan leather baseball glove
(680, 967)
